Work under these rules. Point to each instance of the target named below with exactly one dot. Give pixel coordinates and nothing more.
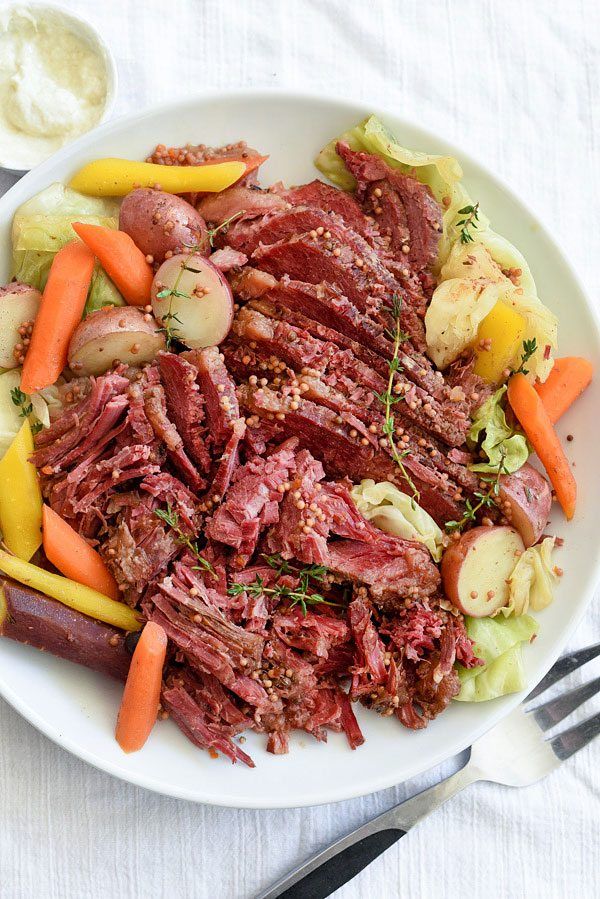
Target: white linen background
(517, 83)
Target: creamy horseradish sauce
(53, 83)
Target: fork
(514, 753)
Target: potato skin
(34, 619)
(460, 554)
(146, 215)
(18, 303)
(527, 500)
(110, 334)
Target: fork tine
(564, 666)
(556, 710)
(574, 739)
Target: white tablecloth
(518, 83)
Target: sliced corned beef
(138, 548)
(368, 668)
(302, 529)
(323, 196)
(227, 464)
(185, 405)
(404, 209)
(170, 491)
(72, 428)
(313, 632)
(330, 260)
(258, 488)
(227, 258)
(249, 201)
(218, 389)
(250, 283)
(200, 714)
(155, 406)
(392, 568)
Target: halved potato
(122, 332)
(193, 299)
(526, 498)
(19, 303)
(476, 568)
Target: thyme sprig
(212, 232)
(529, 348)
(170, 516)
(301, 595)
(23, 400)
(471, 217)
(388, 398)
(484, 500)
(168, 329)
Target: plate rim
(375, 784)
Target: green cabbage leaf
(499, 642)
(501, 444)
(396, 513)
(42, 225)
(532, 581)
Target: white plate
(77, 708)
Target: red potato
(158, 222)
(526, 498)
(27, 616)
(476, 568)
(115, 332)
(19, 303)
(192, 297)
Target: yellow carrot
(118, 177)
(76, 596)
(20, 497)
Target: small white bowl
(84, 28)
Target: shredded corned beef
(215, 482)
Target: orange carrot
(123, 262)
(60, 312)
(529, 409)
(567, 380)
(251, 162)
(139, 706)
(74, 557)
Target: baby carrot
(123, 262)
(60, 312)
(139, 706)
(567, 380)
(74, 557)
(529, 409)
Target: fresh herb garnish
(168, 329)
(471, 217)
(212, 232)
(389, 399)
(484, 500)
(299, 595)
(529, 348)
(170, 517)
(24, 401)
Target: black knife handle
(342, 867)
